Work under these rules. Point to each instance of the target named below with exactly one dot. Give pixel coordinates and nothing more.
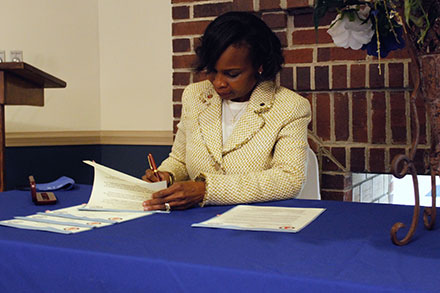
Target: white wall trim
(53, 138)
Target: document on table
(50, 227)
(116, 191)
(71, 220)
(77, 212)
(263, 218)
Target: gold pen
(153, 165)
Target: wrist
(202, 179)
(171, 179)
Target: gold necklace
(237, 114)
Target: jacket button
(262, 104)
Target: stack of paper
(116, 197)
(263, 218)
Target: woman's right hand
(150, 176)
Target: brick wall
(361, 114)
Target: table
(346, 249)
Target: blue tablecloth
(346, 249)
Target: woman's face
(234, 76)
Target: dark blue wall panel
(50, 162)
(132, 159)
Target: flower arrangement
(381, 26)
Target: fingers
(181, 195)
(150, 176)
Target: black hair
(238, 28)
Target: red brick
(269, 4)
(337, 195)
(328, 164)
(313, 144)
(286, 77)
(177, 95)
(175, 122)
(323, 116)
(199, 76)
(357, 76)
(309, 37)
(303, 78)
(359, 110)
(336, 181)
(298, 56)
(180, 12)
(357, 160)
(282, 36)
(341, 54)
(398, 117)
(197, 42)
(189, 28)
(421, 161)
(321, 78)
(275, 20)
(181, 78)
(410, 75)
(306, 19)
(377, 160)
(297, 4)
(184, 61)
(421, 114)
(309, 97)
(324, 54)
(243, 5)
(377, 76)
(341, 116)
(378, 117)
(339, 80)
(181, 45)
(177, 110)
(339, 154)
(215, 9)
(399, 54)
(348, 195)
(395, 75)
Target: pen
(153, 165)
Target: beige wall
(135, 64)
(115, 56)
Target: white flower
(353, 34)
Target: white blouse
(231, 113)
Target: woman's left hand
(179, 196)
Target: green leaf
(407, 9)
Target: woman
(241, 138)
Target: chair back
(311, 188)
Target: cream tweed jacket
(263, 159)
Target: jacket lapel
(253, 119)
(210, 124)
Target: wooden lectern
(21, 84)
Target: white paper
(50, 227)
(263, 218)
(77, 212)
(116, 191)
(42, 218)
